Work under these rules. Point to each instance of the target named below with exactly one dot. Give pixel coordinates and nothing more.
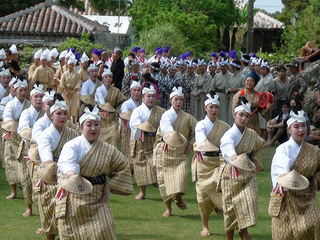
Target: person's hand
(105, 195)
(269, 106)
(188, 149)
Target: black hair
(90, 62)
(132, 55)
(146, 85)
(213, 93)
(241, 100)
(285, 102)
(37, 83)
(236, 61)
(148, 77)
(281, 67)
(57, 96)
(318, 107)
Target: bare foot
(11, 196)
(268, 144)
(27, 213)
(39, 231)
(181, 204)
(205, 233)
(245, 236)
(218, 211)
(139, 197)
(166, 214)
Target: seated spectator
(276, 127)
(309, 53)
(314, 137)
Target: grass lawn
(143, 219)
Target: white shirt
(5, 100)
(39, 126)
(28, 118)
(128, 105)
(2, 91)
(202, 130)
(229, 141)
(101, 94)
(87, 87)
(71, 154)
(140, 115)
(167, 120)
(12, 110)
(48, 143)
(283, 159)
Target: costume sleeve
(84, 90)
(200, 135)
(51, 78)
(23, 121)
(44, 147)
(257, 152)
(118, 170)
(227, 146)
(135, 120)
(166, 123)
(119, 101)
(30, 73)
(77, 85)
(8, 112)
(68, 159)
(280, 164)
(36, 132)
(99, 96)
(62, 84)
(207, 84)
(192, 127)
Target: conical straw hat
(243, 162)
(26, 133)
(293, 180)
(206, 146)
(147, 127)
(10, 126)
(33, 154)
(76, 184)
(174, 139)
(126, 115)
(47, 172)
(107, 107)
(88, 100)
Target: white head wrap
(106, 72)
(245, 60)
(176, 92)
(20, 83)
(235, 65)
(224, 62)
(244, 107)
(71, 60)
(214, 100)
(69, 54)
(13, 49)
(37, 89)
(94, 115)
(135, 84)
(5, 71)
(265, 64)
(164, 64)
(150, 90)
(172, 66)
(54, 53)
(13, 81)
(37, 54)
(92, 66)
(253, 61)
(296, 117)
(212, 64)
(59, 105)
(202, 62)
(48, 96)
(63, 54)
(84, 58)
(2, 54)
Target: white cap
(13, 81)
(37, 89)
(37, 54)
(243, 107)
(13, 49)
(69, 54)
(5, 71)
(2, 54)
(176, 92)
(214, 100)
(63, 54)
(135, 84)
(48, 95)
(59, 105)
(72, 59)
(94, 115)
(92, 66)
(106, 72)
(150, 90)
(84, 58)
(20, 83)
(54, 53)
(296, 117)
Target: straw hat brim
(47, 172)
(206, 146)
(146, 127)
(10, 126)
(174, 139)
(293, 180)
(33, 154)
(76, 184)
(243, 162)
(126, 115)
(26, 133)
(107, 107)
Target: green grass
(143, 219)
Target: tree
(292, 8)
(198, 21)
(110, 7)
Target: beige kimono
(44, 75)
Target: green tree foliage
(292, 8)
(198, 21)
(110, 6)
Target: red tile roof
(44, 19)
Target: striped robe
(141, 152)
(239, 195)
(299, 216)
(205, 174)
(11, 146)
(81, 216)
(172, 167)
(47, 191)
(109, 125)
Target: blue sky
(269, 5)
